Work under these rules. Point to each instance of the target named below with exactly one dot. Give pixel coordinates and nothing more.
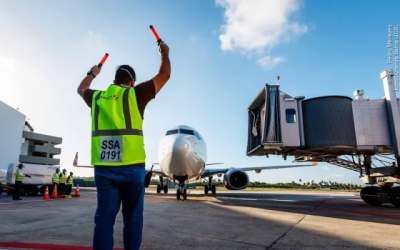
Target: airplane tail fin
(75, 163)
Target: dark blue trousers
(116, 185)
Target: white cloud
(325, 168)
(256, 26)
(269, 62)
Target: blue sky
(316, 47)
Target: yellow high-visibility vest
(19, 177)
(117, 136)
(56, 178)
(70, 180)
(62, 178)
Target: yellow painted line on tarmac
(202, 198)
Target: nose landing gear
(181, 191)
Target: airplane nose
(180, 147)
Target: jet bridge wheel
(370, 195)
(394, 195)
(158, 188)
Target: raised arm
(85, 83)
(164, 72)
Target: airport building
(39, 148)
(22, 144)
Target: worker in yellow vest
(19, 177)
(118, 152)
(70, 183)
(55, 179)
(63, 178)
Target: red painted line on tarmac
(45, 246)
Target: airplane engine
(236, 179)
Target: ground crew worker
(70, 183)
(63, 176)
(118, 154)
(55, 179)
(19, 177)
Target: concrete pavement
(231, 220)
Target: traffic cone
(46, 194)
(54, 195)
(77, 194)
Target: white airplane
(183, 157)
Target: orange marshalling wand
(158, 39)
(103, 60)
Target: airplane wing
(210, 172)
(217, 163)
(155, 172)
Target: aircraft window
(186, 131)
(197, 135)
(171, 132)
(290, 115)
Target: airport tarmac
(230, 220)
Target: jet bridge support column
(393, 113)
(368, 165)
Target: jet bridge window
(171, 132)
(291, 116)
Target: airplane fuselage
(182, 154)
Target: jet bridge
(361, 135)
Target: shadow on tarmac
(354, 229)
(340, 207)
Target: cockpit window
(197, 135)
(182, 131)
(186, 131)
(171, 132)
